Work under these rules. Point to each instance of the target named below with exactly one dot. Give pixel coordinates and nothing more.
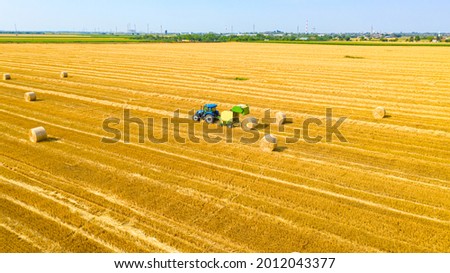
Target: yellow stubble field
(385, 190)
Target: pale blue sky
(219, 16)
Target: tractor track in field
(272, 179)
(362, 150)
(259, 198)
(103, 221)
(210, 239)
(384, 191)
(383, 155)
(369, 249)
(180, 98)
(215, 87)
(365, 150)
(192, 86)
(57, 220)
(345, 147)
(321, 162)
(403, 128)
(169, 114)
(328, 234)
(162, 71)
(30, 236)
(247, 209)
(350, 103)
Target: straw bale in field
(268, 143)
(280, 117)
(379, 113)
(30, 96)
(250, 123)
(38, 134)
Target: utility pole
(148, 29)
(254, 28)
(161, 30)
(15, 28)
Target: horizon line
(213, 32)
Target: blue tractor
(209, 113)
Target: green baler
(242, 109)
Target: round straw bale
(268, 143)
(249, 123)
(6, 76)
(64, 74)
(379, 113)
(30, 96)
(281, 117)
(38, 134)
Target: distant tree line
(267, 36)
(216, 37)
(429, 38)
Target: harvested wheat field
(385, 190)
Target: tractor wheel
(209, 119)
(195, 118)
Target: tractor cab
(210, 108)
(208, 113)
